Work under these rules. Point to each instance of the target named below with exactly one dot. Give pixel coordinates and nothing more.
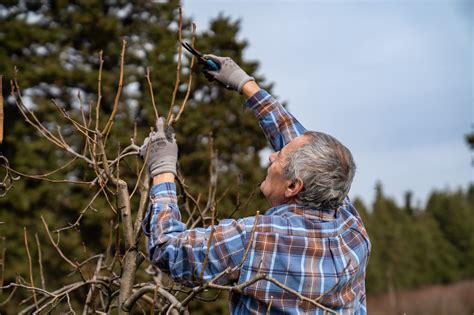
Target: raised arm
(279, 126)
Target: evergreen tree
(55, 46)
(454, 213)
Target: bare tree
(112, 283)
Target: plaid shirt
(315, 252)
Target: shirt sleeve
(278, 125)
(181, 252)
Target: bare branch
(148, 289)
(34, 121)
(213, 174)
(30, 265)
(269, 305)
(43, 177)
(298, 295)
(81, 128)
(142, 205)
(190, 80)
(26, 113)
(238, 205)
(9, 296)
(187, 195)
(69, 304)
(150, 86)
(90, 294)
(99, 91)
(55, 245)
(209, 242)
(249, 245)
(178, 67)
(139, 177)
(40, 262)
(110, 122)
(81, 213)
(54, 296)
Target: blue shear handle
(211, 65)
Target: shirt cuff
(257, 101)
(163, 193)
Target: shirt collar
(305, 211)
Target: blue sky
(392, 80)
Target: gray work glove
(159, 150)
(229, 75)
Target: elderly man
(311, 240)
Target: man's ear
(293, 188)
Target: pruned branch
(170, 118)
(190, 79)
(110, 122)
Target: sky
(392, 80)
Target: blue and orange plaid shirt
(312, 251)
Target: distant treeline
(413, 246)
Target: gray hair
(326, 168)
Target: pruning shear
(208, 63)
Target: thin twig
(249, 245)
(190, 79)
(42, 177)
(40, 261)
(81, 213)
(34, 121)
(127, 306)
(110, 122)
(9, 296)
(209, 242)
(99, 91)
(81, 128)
(30, 265)
(55, 245)
(213, 174)
(90, 294)
(155, 293)
(239, 206)
(300, 296)
(69, 304)
(178, 67)
(150, 86)
(142, 205)
(269, 305)
(25, 111)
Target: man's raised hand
(230, 74)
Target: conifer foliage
(72, 65)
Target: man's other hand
(159, 150)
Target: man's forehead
(295, 143)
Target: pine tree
(454, 214)
(56, 47)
